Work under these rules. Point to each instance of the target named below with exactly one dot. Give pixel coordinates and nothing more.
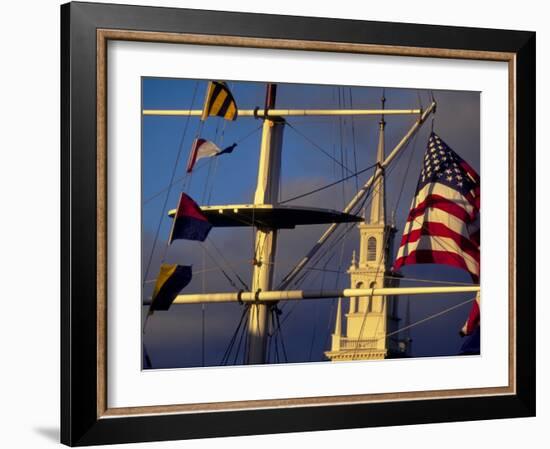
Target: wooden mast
(267, 192)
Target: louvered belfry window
(371, 248)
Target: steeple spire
(338, 323)
(378, 205)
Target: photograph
(306, 223)
(261, 224)
(274, 223)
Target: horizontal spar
(288, 295)
(289, 112)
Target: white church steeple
(370, 319)
(378, 204)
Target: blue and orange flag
(171, 280)
(189, 221)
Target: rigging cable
(237, 351)
(231, 282)
(430, 317)
(280, 333)
(229, 348)
(199, 167)
(172, 176)
(243, 283)
(337, 237)
(353, 139)
(316, 145)
(314, 332)
(319, 189)
(386, 241)
(368, 197)
(275, 342)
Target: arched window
(354, 301)
(369, 307)
(371, 248)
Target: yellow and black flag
(171, 280)
(219, 102)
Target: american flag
(443, 224)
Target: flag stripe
(438, 202)
(217, 103)
(165, 272)
(188, 208)
(189, 222)
(440, 231)
(443, 223)
(439, 216)
(231, 113)
(468, 169)
(193, 155)
(444, 244)
(440, 190)
(170, 281)
(190, 228)
(473, 318)
(422, 256)
(225, 106)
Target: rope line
(243, 283)
(386, 241)
(430, 317)
(172, 176)
(319, 189)
(317, 146)
(195, 170)
(229, 348)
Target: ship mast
(267, 192)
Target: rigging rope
(195, 170)
(243, 283)
(386, 241)
(314, 332)
(231, 282)
(316, 145)
(280, 333)
(319, 189)
(229, 348)
(174, 168)
(353, 140)
(239, 346)
(430, 317)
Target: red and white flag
(205, 148)
(443, 224)
(473, 320)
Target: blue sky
(174, 338)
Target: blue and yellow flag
(219, 102)
(171, 280)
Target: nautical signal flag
(171, 280)
(189, 221)
(442, 226)
(205, 148)
(472, 344)
(473, 319)
(219, 102)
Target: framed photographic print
(277, 224)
